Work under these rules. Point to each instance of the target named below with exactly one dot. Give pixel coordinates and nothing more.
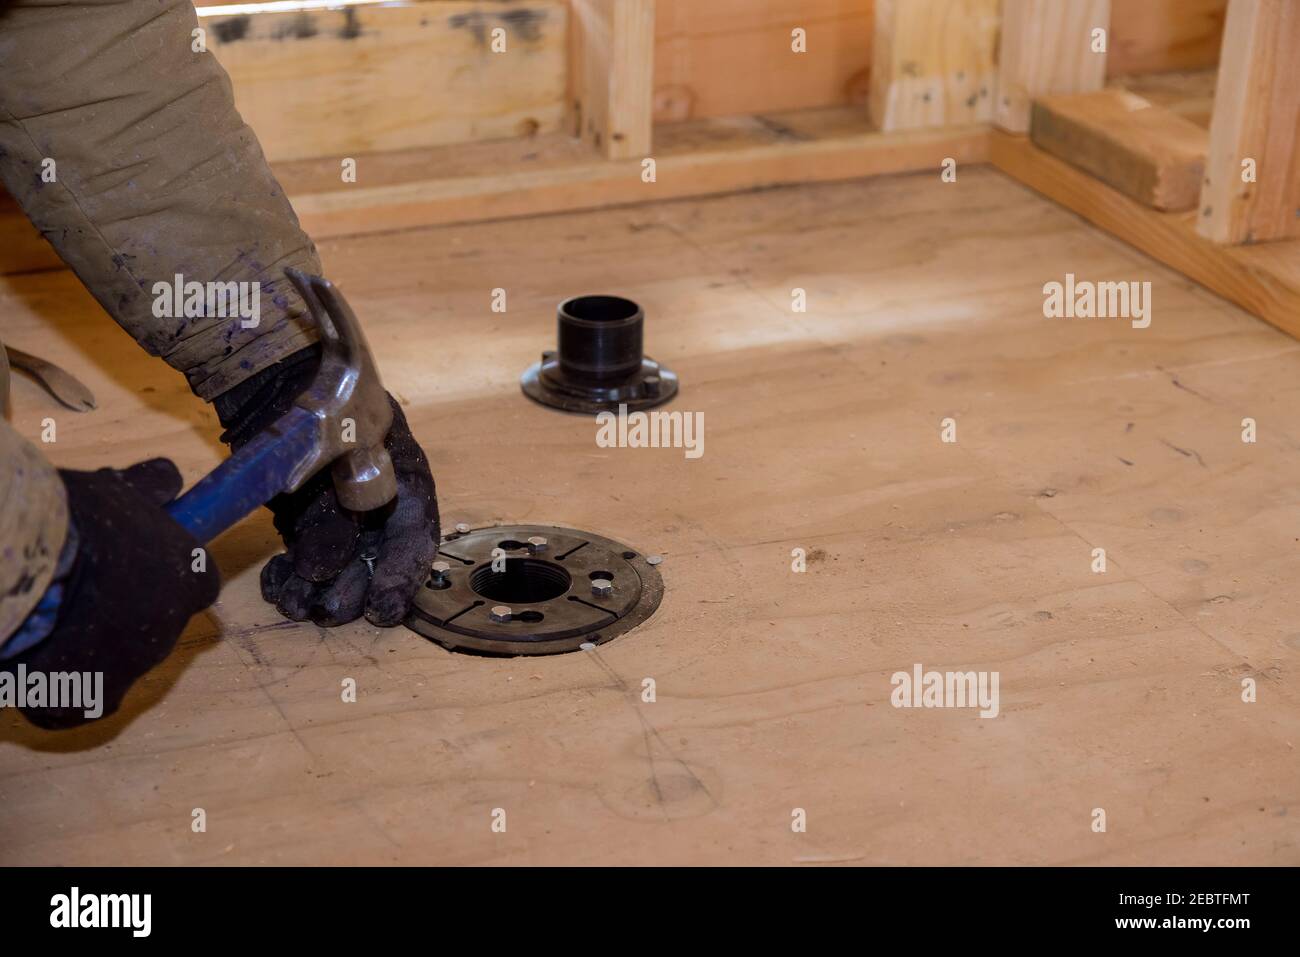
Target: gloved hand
(131, 589)
(326, 573)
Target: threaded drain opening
(525, 580)
(601, 308)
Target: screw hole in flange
(608, 576)
(525, 580)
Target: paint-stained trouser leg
(123, 145)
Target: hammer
(340, 420)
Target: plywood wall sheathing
(371, 78)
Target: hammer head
(348, 402)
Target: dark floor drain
(598, 363)
(534, 590)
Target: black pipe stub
(599, 364)
(534, 590)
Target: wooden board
(1160, 36)
(361, 79)
(1119, 690)
(611, 72)
(729, 57)
(691, 159)
(1264, 279)
(934, 63)
(1146, 152)
(1047, 47)
(1252, 173)
(1189, 94)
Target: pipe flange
(533, 590)
(599, 364)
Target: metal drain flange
(533, 590)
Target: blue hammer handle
(248, 479)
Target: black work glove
(326, 575)
(130, 591)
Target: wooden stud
(612, 75)
(1146, 152)
(933, 63)
(1048, 46)
(1252, 172)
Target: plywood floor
(1119, 691)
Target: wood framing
(1048, 46)
(692, 159)
(934, 63)
(1146, 152)
(1263, 279)
(370, 78)
(611, 67)
(1252, 174)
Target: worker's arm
(122, 143)
(123, 146)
